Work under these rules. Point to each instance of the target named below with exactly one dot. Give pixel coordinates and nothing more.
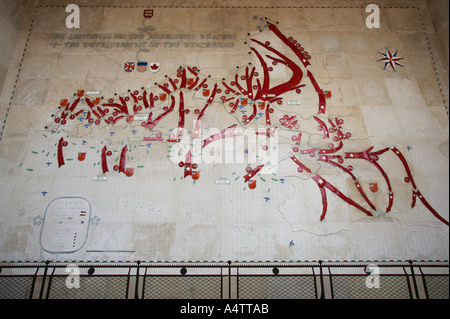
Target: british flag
(129, 66)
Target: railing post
(229, 279)
(43, 279)
(136, 288)
(322, 287)
(416, 291)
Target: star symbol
(390, 59)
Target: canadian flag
(154, 66)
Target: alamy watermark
(373, 278)
(73, 19)
(373, 19)
(73, 279)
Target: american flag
(142, 66)
(129, 66)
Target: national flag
(155, 66)
(129, 66)
(141, 66)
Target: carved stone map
(212, 133)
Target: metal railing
(225, 280)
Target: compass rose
(389, 59)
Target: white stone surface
(156, 214)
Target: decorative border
(18, 72)
(432, 61)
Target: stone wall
(438, 10)
(14, 17)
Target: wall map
(275, 139)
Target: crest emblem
(244, 101)
(130, 119)
(141, 66)
(148, 13)
(155, 66)
(195, 175)
(205, 92)
(129, 172)
(373, 187)
(81, 156)
(252, 184)
(63, 102)
(129, 66)
(80, 93)
(163, 96)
